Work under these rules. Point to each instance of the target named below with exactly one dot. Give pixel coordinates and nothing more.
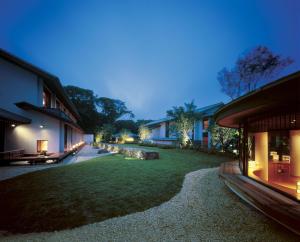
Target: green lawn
(95, 190)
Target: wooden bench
(7, 156)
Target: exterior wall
(198, 130)
(19, 85)
(25, 136)
(88, 138)
(162, 130)
(155, 133)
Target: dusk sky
(151, 54)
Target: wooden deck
(273, 204)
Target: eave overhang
(7, 116)
(52, 112)
(280, 96)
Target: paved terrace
(86, 153)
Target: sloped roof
(155, 122)
(282, 94)
(206, 111)
(51, 81)
(210, 110)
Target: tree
(124, 135)
(107, 132)
(184, 118)
(230, 83)
(223, 138)
(84, 101)
(95, 111)
(253, 68)
(144, 132)
(129, 125)
(112, 109)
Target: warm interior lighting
(42, 146)
(298, 187)
(13, 125)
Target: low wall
(138, 153)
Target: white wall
(18, 85)
(155, 133)
(25, 136)
(162, 130)
(88, 138)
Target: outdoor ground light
(298, 187)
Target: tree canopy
(253, 68)
(184, 118)
(100, 113)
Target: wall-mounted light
(13, 125)
(41, 126)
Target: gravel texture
(204, 210)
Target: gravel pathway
(204, 210)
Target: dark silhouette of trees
(253, 68)
(99, 113)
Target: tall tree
(84, 101)
(95, 112)
(184, 117)
(253, 68)
(112, 109)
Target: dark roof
(210, 110)
(156, 122)
(52, 112)
(280, 95)
(12, 117)
(206, 111)
(52, 82)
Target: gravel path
(204, 210)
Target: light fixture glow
(41, 126)
(13, 125)
(298, 187)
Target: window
(46, 99)
(205, 124)
(279, 149)
(42, 146)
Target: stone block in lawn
(138, 153)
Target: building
(269, 123)
(35, 113)
(162, 132)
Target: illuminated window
(279, 149)
(46, 99)
(42, 146)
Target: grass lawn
(95, 190)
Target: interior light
(298, 187)
(41, 126)
(13, 125)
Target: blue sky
(151, 54)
